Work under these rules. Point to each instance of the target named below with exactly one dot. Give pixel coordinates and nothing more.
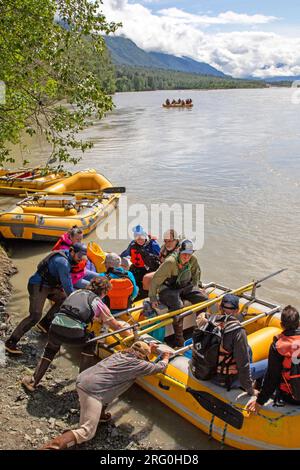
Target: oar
(190, 310)
(182, 315)
(128, 311)
(200, 306)
(167, 318)
(87, 193)
(209, 402)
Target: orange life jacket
(289, 348)
(120, 293)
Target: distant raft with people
(215, 410)
(177, 105)
(84, 199)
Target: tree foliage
(50, 87)
(144, 79)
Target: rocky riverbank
(30, 420)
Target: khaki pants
(90, 412)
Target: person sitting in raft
(101, 384)
(143, 252)
(170, 246)
(167, 102)
(283, 373)
(179, 101)
(124, 289)
(125, 263)
(52, 281)
(183, 103)
(176, 280)
(220, 349)
(174, 102)
(70, 324)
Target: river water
(236, 152)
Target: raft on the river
(177, 105)
(211, 408)
(84, 199)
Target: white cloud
(238, 53)
(229, 17)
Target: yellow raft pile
(79, 199)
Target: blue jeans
(258, 370)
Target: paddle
(190, 310)
(209, 402)
(86, 193)
(218, 408)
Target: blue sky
(241, 38)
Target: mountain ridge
(125, 52)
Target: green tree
(49, 86)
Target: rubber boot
(178, 331)
(86, 360)
(12, 348)
(64, 441)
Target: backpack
(122, 288)
(43, 269)
(207, 341)
(71, 321)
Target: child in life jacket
(143, 252)
(124, 289)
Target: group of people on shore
(169, 275)
(179, 102)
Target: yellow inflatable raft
(211, 408)
(47, 217)
(36, 179)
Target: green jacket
(169, 270)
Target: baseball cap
(80, 249)
(186, 246)
(230, 300)
(142, 348)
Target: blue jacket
(60, 268)
(130, 276)
(152, 247)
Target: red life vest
(136, 258)
(289, 348)
(63, 243)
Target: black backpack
(43, 269)
(206, 345)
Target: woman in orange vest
(283, 373)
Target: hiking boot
(28, 383)
(104, 417)
(64, 441)
(12, 348)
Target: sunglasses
(168, 241)
(228, 308)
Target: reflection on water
(236, 152)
